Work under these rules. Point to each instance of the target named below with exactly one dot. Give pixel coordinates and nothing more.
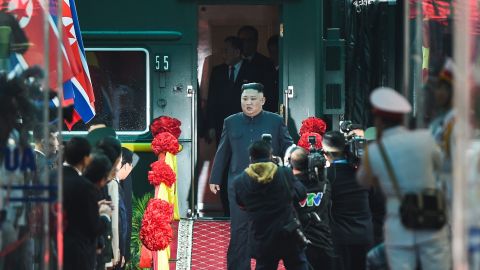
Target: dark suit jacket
(351, 216)
(239, 131)
(82, 224)
(223, 96)
(268, 77)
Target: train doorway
(215, 23)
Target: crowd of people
(348, 215)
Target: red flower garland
(313, 124)
(161, 173)
(156, 232)
(303, 142)
(165, 142)
(166, 124)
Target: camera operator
(314, 212)
(351, 215)
(267, 193)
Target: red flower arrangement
(303, 142)
(313, 124)
(165, 142)
(166, 124)
(156, 232)
(161, 173)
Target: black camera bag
(425, 210)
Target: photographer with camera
(267, 193)
(351, 216)
(314, 211)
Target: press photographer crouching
(267, 193)
(351, 216)
(314, 211)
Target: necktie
(231, 75)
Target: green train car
(151, 58)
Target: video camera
(355, 145)
(316, 161)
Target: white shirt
(236, 69)
(415, 158)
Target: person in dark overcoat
(268, 192)
(239, 131)
(352, 226)
(80, 206)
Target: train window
(120, 79)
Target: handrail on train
(137, 35)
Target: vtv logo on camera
(313, 199)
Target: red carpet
(173, 246)
(210, 244)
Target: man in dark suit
(239, 131)
(82, 221)
(225, 85)
(352, 227)
(224, 92)
(249, 36)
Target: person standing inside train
(239, 131)
(224, 91)
(249, 36)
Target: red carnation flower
(161, 173)
(313, 124)
(303, 142)
(156, 232)
(165, 142)
(166, 124)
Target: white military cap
(385, 100)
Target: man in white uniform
(414, 158)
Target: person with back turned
(268, 192)
(314, 212)
(352, 226)
(239, 131)
(404, 164)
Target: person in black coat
(239, 131)
(351, 216)
(224, 92)
(314, 212)
(80, 206)
(267, 192)
(249, 35)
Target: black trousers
(351, 257)
(318, 259)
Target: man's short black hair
(76, 149)
(260, 150)
(98, 168)
(299, 159)
(273, 41)
(127, 156)
(111, 147)
(235, 42)
(249, 28)
(253, 86)
(335, 139)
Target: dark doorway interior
(215, 23)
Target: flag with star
(31, 15)
(80, 83)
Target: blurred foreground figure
(404, 164)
